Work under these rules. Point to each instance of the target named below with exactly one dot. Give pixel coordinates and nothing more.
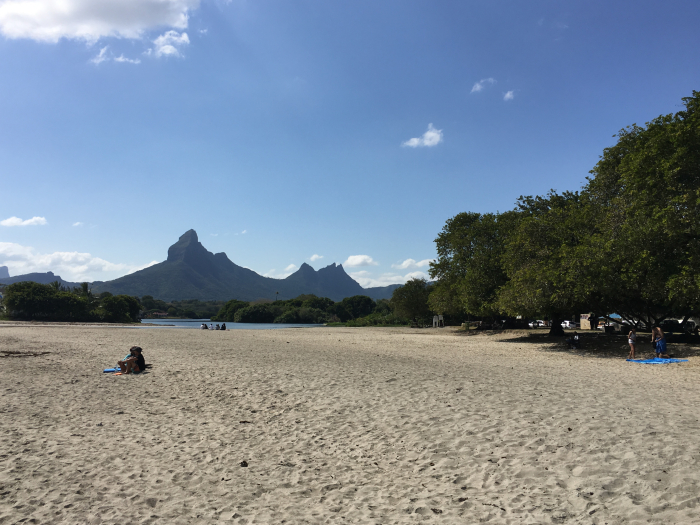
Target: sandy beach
(340, 425)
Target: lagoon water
(197, 323)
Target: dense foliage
(53, 302)
(627, 243)
(188, 308)
(305, 309)
(358, 310)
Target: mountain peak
(188, 243)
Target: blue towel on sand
(657, 361)
(111, 370)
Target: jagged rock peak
(187, 243)
(333, 268)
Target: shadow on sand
(595, 344)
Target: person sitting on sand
(658, 338)
(223, 326)
(204, 326)
(134, 363)
(632, 340)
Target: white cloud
(430, 138)
(214, 234)
(291, 268)
(78, 223)
(244, 232)
(137, 268)
(360, 260)
(509, 95)
(315, 257)
(367, 280)
(123, 59)
(412, 264)
(481, 84)
(71, 266)
(168, 43)
(100, 57)
(90, 20)
(16, 221)
(104, 56)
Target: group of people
(210, 327)
(658, 339)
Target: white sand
(340, 426)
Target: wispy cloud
(360, 260)
(71, 266)
(481, 84)
(51, 20)
(315, 257)
(104, 56)
(78, 223)
(510, 95)
(367, 280)
(100, 57)
(123, 59)
(16, 221)
(430, 138)
(412, 264)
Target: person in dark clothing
(134, 363)
(223, 326)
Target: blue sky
(284, 130)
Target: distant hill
(193, 272)
(43, 278)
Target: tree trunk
(556, 329)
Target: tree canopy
(627, 243)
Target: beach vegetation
(411, 301)
(627, 243)
(51, 302)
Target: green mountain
(193, 272)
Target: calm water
(197, 323)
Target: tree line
(626, 243)
(55, 302)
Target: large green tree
(646, 190)
(411, 300)
(545, 259)
(468, 268)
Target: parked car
(536, 324)
(569, 324)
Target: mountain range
(193, 272)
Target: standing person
(658, 338)
(632, 340)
